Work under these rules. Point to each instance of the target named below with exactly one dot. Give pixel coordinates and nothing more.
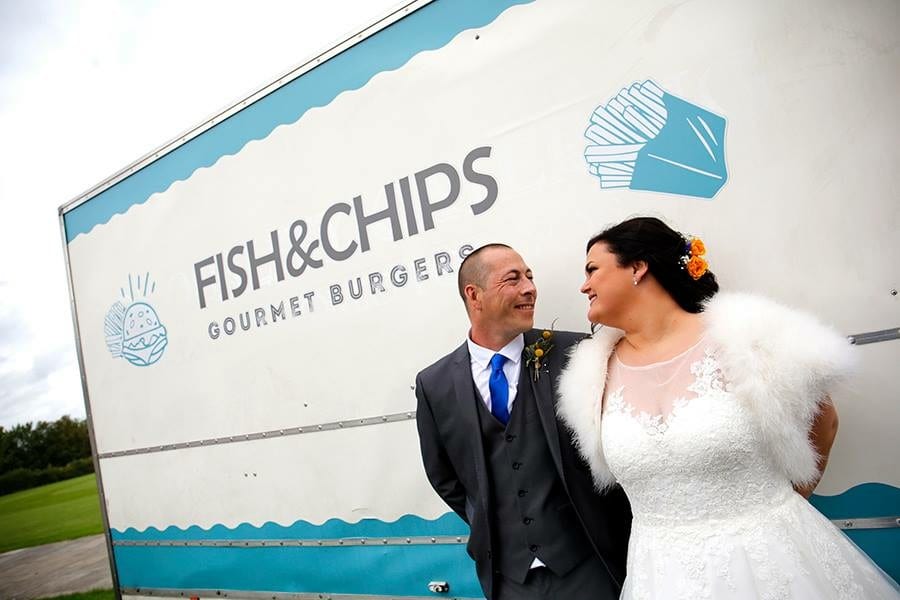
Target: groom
(494, 451)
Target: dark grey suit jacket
(453, 454)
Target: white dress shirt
(480, 360)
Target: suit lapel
(542, 391)
(464, 390)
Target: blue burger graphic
(134, 331)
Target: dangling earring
(635, 280)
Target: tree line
(33, 454)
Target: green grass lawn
(92, 595)
(64, 510)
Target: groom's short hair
(473, 269)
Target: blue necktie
(499, 388)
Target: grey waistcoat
(531, 513)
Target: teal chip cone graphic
(648, 139)
(134, 330)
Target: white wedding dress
(713, 517)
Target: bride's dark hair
(662, 248)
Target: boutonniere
(536, 353)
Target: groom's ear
(472, 295)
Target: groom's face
(508, 296)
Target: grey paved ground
(62, 568)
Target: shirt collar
(481, 356)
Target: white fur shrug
(779, 361)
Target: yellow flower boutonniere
(536, 353)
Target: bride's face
(607, 285)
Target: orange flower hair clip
(692, 260)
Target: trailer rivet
(893, 292)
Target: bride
(713, 415)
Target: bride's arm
(824, 429)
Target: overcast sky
(87, 87)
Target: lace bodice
(681, 444)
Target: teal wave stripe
(865, 501)
(393, 571)
(405, 526)
(861, 501)
(390, 571)
(428, 28)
